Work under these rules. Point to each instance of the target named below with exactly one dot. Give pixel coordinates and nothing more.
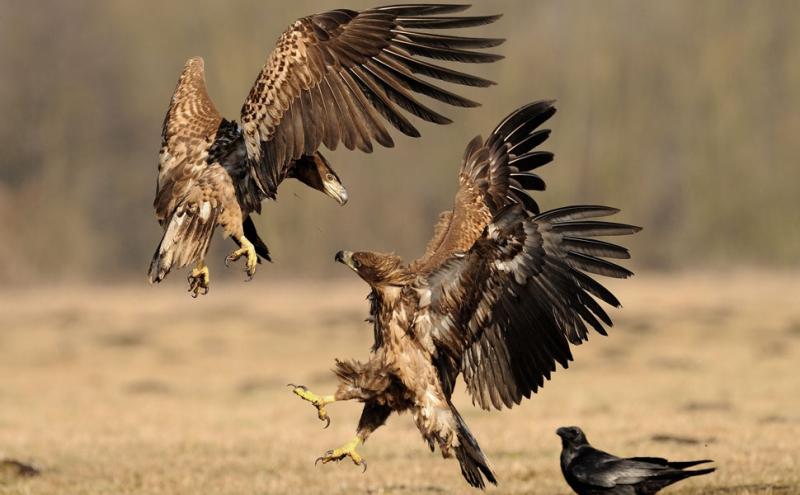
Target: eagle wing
(188, 132)
(335, 76)
(504, 312)
(193, 196)
(494, 174)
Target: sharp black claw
(319, 459)
(227, 262)
(364, 464)
(327, 424)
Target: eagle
(335, 77)
(499, 295)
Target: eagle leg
(199, 280)
(317, 401)
(346, 450)
(246, 249)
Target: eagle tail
(474, 465)
(160, 265)
(185, 240)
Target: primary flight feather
(498, 297)
(335, 77)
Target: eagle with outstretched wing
(498, 297)
(335, 77)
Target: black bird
(589, 471)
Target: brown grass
(143, 390)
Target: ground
(144, 390)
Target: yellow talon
(246, 249)
(199, 280)
(317, 401)
(346, 450)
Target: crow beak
(561, 432)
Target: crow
(589, 471)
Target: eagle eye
(356, 264)
(329, 176)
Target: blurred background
(684, 114)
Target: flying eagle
(333, 77)
(498, 296)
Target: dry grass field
(144, 390)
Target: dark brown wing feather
(340, 75)
(505, 312)
(494, 174)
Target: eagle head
(315, 172)
(376, 269)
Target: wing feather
(193, 189)
(489, 182)
(506, 311)
(333, 77)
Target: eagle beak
(339, 257)
(337, 191)
(345, 258)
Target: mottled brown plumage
(497, 298)
(333, 77)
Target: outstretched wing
(335, 76)
(189, 129)
(193, 196)
(494, 174)
(504, 312)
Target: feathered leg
(365, 382)
(356, 381)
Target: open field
(144, 390)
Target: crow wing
(504, 312)
(601, 469)
(494, 174)
(334, 76)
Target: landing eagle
(498, 297)
(333, 77)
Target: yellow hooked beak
(346, 258)
(337, 191)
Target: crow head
(571, 436)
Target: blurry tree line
(684, 114)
